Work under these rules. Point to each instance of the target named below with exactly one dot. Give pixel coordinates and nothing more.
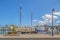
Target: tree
(12, 29)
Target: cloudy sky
(41, 11)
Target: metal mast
(20, 11)
(31, 22)
(31, 19)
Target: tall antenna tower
(20, 12)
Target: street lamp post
(52, 20)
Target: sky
(41, 11)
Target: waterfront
(31, 23)
(25, 31)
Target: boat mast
(20, 12)
(31, 19)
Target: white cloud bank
(34, 20)
(48, 17)
(57, 13)
(57, 21)
(42, 22)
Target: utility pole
(53, 10)
(20, 12)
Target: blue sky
(10, 10)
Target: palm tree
(14, 29)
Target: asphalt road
(29, 38)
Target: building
(26, 30)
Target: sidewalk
(32, 36)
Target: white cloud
(42, 22)
(57, 13)
(55, 17)
(34, 20)
(48, 17)
(57, 21)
